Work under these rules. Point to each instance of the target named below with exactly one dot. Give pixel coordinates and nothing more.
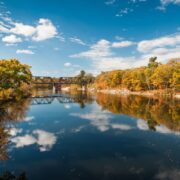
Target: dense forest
(15, 79)
(155, 76)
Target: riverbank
(140, 93)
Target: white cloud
(163, 54)
(67, 64)
(21, 29)
(122, 44)
(24, 51)
(165, 3)
(21, 141)
(114, 63)
(11, 39)
(14, 131)
(45, 140)
(166, 41)
(142, 125)
(100, 49)
(44, 30)
(77, 40)
(103, 58)
(3, 29)
(101, 120)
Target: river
(80, 136)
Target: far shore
(142, 93)
(125, 92)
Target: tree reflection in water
(155, 111)
(10, 113)
(10, 176)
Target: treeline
(15, 79)
(155, 76)
(80, 78)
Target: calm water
(78, 136)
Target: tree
(153, 63)
(14, 77)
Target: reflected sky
(71, 141)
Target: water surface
(80, 136)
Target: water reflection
(93, 137)
(10, 112)
(158, 113)
(45, 140)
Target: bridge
(56, 83)
(61, 98)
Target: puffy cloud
(114, 63)
(122, 44)
(44, 30)
(77, 41)
(24, 51)
(44, 139)
(101, 120)
(22, 29)
(103, 58)
(166, 41)
(21, 141)
(11, 39)
(163, 54)
(100, 49)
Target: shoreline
(139, 93)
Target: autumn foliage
(15, 79)
(155, 76)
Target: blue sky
(62, 37)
